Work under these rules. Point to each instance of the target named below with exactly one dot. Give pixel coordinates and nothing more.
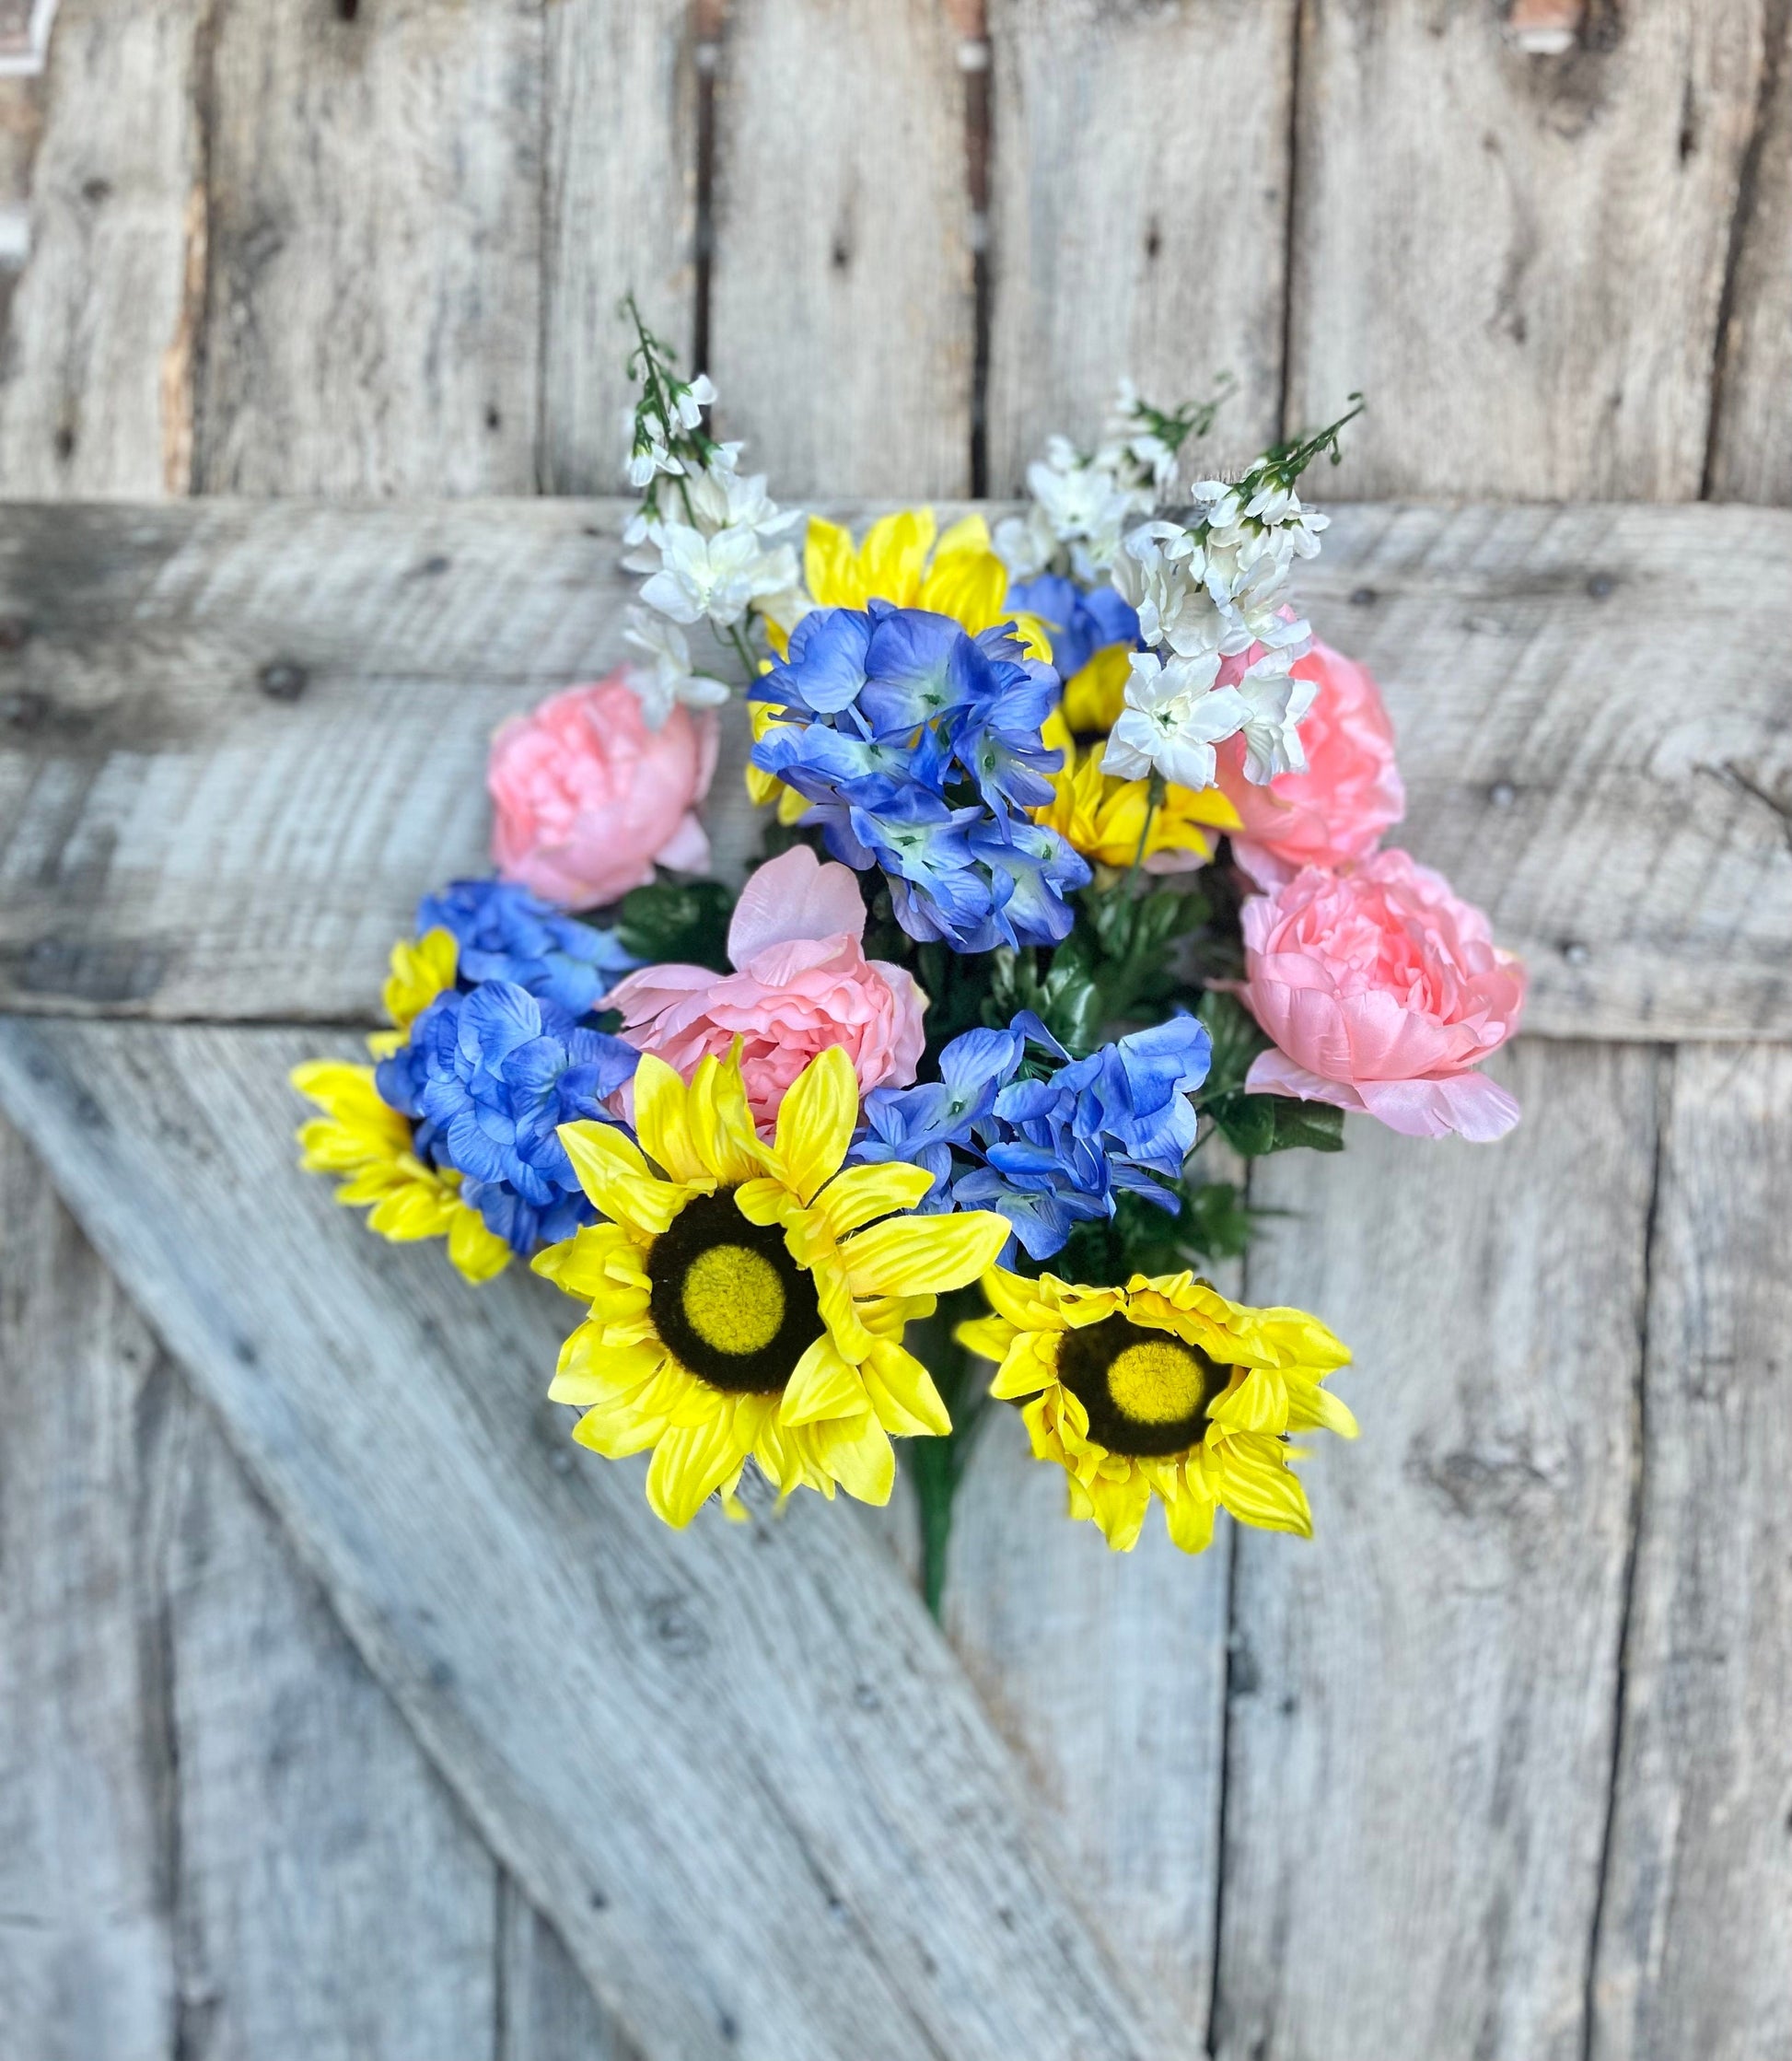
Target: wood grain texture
(95, 376)
(180, 841)
(86, 1950)
(1695, 1952)
(619, 199)
(546, 2011)
(374, 284)
(739, 1771)
(1105, 1673)
(1518, 258)
(1751, 455)
(841, 323)
(1138, 217)
(335, 1902)
(1422, 1704)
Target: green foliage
(1212, 1223)
(1255, 1125)
(685, 921)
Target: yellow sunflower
(1102, 817)
(363, 1139)
(1162, 1386)
(748, 1300)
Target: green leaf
(681, 920)
(1237, 1042)
(1247, 1122)
(1317, 1125)
(1216, 1221)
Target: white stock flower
(1171, 718)
(667, 678)
(692, 400)
(1160, 570)
(646, 460)
(721, 499)
(718, 578)
(1274, 703)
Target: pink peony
(801, 983)
(1351, 793)
(1381, 990)
(588, 798)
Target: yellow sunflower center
(733, 1299)
(1156, 1382)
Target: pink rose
(588, 798)
(1381, 990)
(1350, 793)
(801, 983)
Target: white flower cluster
(705, 547)
(1083, 501)
(1209, 592)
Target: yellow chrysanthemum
(422, 968)
(362, 1138)
(748, 1300)
(1104, 817)
(1162, 1386)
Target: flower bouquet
(1072, 864)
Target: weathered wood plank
(333, 1901)
(1750, 456)
(546, 2012)
(1105, 1673)
(86, 1950)
(374, 280)
(95, 376)
(178, 840)
(620, 196)
(1421, 1705)
(841, 330)
(739, 1772)
(1138, 217)
(1695, 1950)
(1520, 258)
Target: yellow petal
(1190, 1517)
(1119, 1507)
(592, 1261)
(1029, 1365)
(479, 1254)
(1029, 1305)
(923, 1255)
(721, 1124)
(815, 1121)
(903, 1393)
(988, 1337)
(421, 969)
(828, 570)
(1254, 1483)
(859, 1195)
(970, 532)
(1311, 1408)
(891, 558)
(823, 1384)
(690, 1464)
(1259, 1403)
(857, 1453)
(618, 1179)
(660, 1120)
(968, 586)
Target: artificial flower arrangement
(1073, 862)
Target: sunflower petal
(690, 1464)
(1254, 1483)
(479, 1254)
(661, 1122)
(618, 1179)
(1311, 1407)
(923, 1255)
(721, 1125)
(815, 1121)
(903, 1393)
(824, 1383)
(858, 1195)
(857, 1453)
(1190, 1517)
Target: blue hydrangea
(1078, 620)
(1053, 1149)
(487, 1077)
(504, 933)
(917, 746)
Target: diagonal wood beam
(738, 1769)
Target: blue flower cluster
(504, 933)
(1051, 1150)
(918, 747)
(487, 1077)
(1078, 620)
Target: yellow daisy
(1162, 1386)
(422, 968)
(363, 1139)
(748, 1300)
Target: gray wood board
(1696, 1950)
(739, 1772)
(1594, 705)
(1422, 1702)
(1520, 258)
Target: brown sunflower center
(728, 1301)
(1146, 1391)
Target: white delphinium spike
(1171, 718)
(667, 679)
